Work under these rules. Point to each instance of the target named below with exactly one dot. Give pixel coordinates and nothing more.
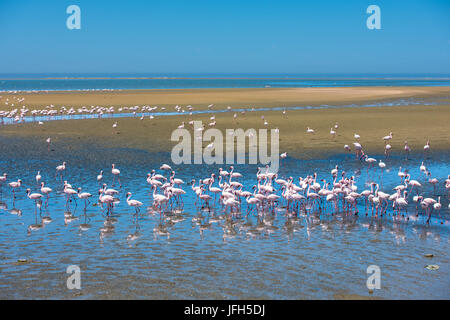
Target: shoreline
(200, 99)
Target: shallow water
(316, 256)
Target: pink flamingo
(46, 191)
(36, 197)
(134, 203)
(14, 185)
(60, 169)
(84, 196)
(116, 173)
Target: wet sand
(221, 98)
(416, 124)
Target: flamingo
(400, 203)
(34, 196)
(333, 133)
(60, 169)
(46, 191)
(38, 177)
(214, 190)
(175, 180)
(387, 150)
(433, 181)
(358, 149)
(165, 167)
(370, 161)
(426, 148)
(116, 173)
(3, 179)
(334, 172)
(234, 174)
(106, 199)
(110, 192)
(69, 193)
(423, 168)
(133, 203)
(437, 206)
(223, 173)
(14, 185)
(100, 176)
(159, 199)
(414, 183)
(204, 197)
(251, 202)
(382, 165)
(84, 196)
(401, 174)
(231, 203)
(388, 137)
(309, 130)
(407, 149)
(283, 156)
(49, 140)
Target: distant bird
(426, 148)
(334, 172)
(437, 206)
(382, 165)
(387, 150)
(3, 178)
(309, 130)
(100, 176)
(370, 161)
(49, 140)
(356, 136)
(38, 177)
(358, 149)
(388, 137)
(60, 169)
(401, 174)
(423, 168)
(333, 133)
(407, 150)
(165, 167)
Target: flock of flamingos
(223, 191)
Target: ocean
(80, 82)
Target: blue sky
(190, 36)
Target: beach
(190, 251)
(413, 123)
(221, 98)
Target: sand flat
(201, 98)
(416, 124)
